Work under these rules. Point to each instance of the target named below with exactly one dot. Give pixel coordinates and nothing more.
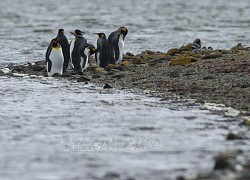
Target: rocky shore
(213, 76)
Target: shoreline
(207, 77)
(218, 76)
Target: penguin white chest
(56, 58)
(71, 48)
(85, 62)
(121, 48)
(98, 58)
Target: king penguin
(79, 52)
(63, 41)
(103, 51)
(86, 50)
(116, 41)
(54, 59)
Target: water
(27, 27)
(62, 130)
(55, 130)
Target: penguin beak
(83, 32)
(72, 33)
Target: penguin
(54, 59)
(86, 50)
(116, 41)
(63, 41)
(79, 52)
(196, 45)
(92, 49)
(103, 51)
(78, 34)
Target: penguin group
(61, 54)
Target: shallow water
(55, 130)
(61, 130)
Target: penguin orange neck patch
(124, 29)
(57, 48)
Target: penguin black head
(197, 41)
(102, 35)
(61, 31)
(123, 30)
(78, 32)
(54, 43)
(92, 49)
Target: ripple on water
(95, 130)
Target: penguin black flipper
(48, 51)
(115, 48)
(76, 58)
(49, 65)
(110, 40)
(63, 41)
(75, 55)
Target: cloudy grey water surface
(28, 26)
(55, 130)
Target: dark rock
(129, 54)
(97, 75)
(232, 136)
(11, 66)
(66, 74)
(38, 68)
(212, 55)
(182, 60)
(113, 71)
(150, 52)
(18, 69)
(172, 52)
(222, 162)
(83, 79)
(119, 75)
(209, 77)
(107, 86)
(174, 74)
(201, 101)
(245, 174)
(189, 72)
